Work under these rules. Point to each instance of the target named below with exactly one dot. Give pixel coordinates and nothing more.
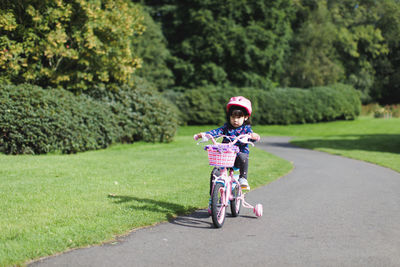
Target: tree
(340, 41)
(359, 41)
(224, 41)
(387, 84)
(313, 60)
(73, 44)
(151, 47)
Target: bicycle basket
(222, 155)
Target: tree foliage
(359, 42)
(297, 43)
(314, 60)
(387, 83)
(73, 44)
(220, 42)
(347, 41)
(151, 47)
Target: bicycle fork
(223, 179)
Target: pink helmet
(241, 102)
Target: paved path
(329, 211)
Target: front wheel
(217, 205)
(236, 202)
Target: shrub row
(141, 114)
(38, 121)
(278, 106)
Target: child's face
(237, 121)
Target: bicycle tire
(216, 172)
(236, 202)
(218, 210)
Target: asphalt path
(329, 211)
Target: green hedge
(37, 121)
(278, 106)
(199, 106)
(141, 113)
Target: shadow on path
(370, 142)
(197, 219)
(175, 213)
(137, 203)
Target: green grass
(52, 203)
(368, 139)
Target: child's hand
(255, 136)
(198, 136)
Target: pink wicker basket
(222, 155)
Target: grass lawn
(367, 138)
(52, 203)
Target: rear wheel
(217, 206)
(236, 202)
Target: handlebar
(243, 138)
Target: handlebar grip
(204, 138)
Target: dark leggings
(241, 162)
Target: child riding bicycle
(238, 112)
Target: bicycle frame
(228, 180)
(226, 183)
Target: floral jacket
(228, 130)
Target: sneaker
(244, 184)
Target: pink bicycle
(225, 188)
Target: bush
(278, 106)
(141, 113)
(37, 121)
(200, 106)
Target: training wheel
(258, 210)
